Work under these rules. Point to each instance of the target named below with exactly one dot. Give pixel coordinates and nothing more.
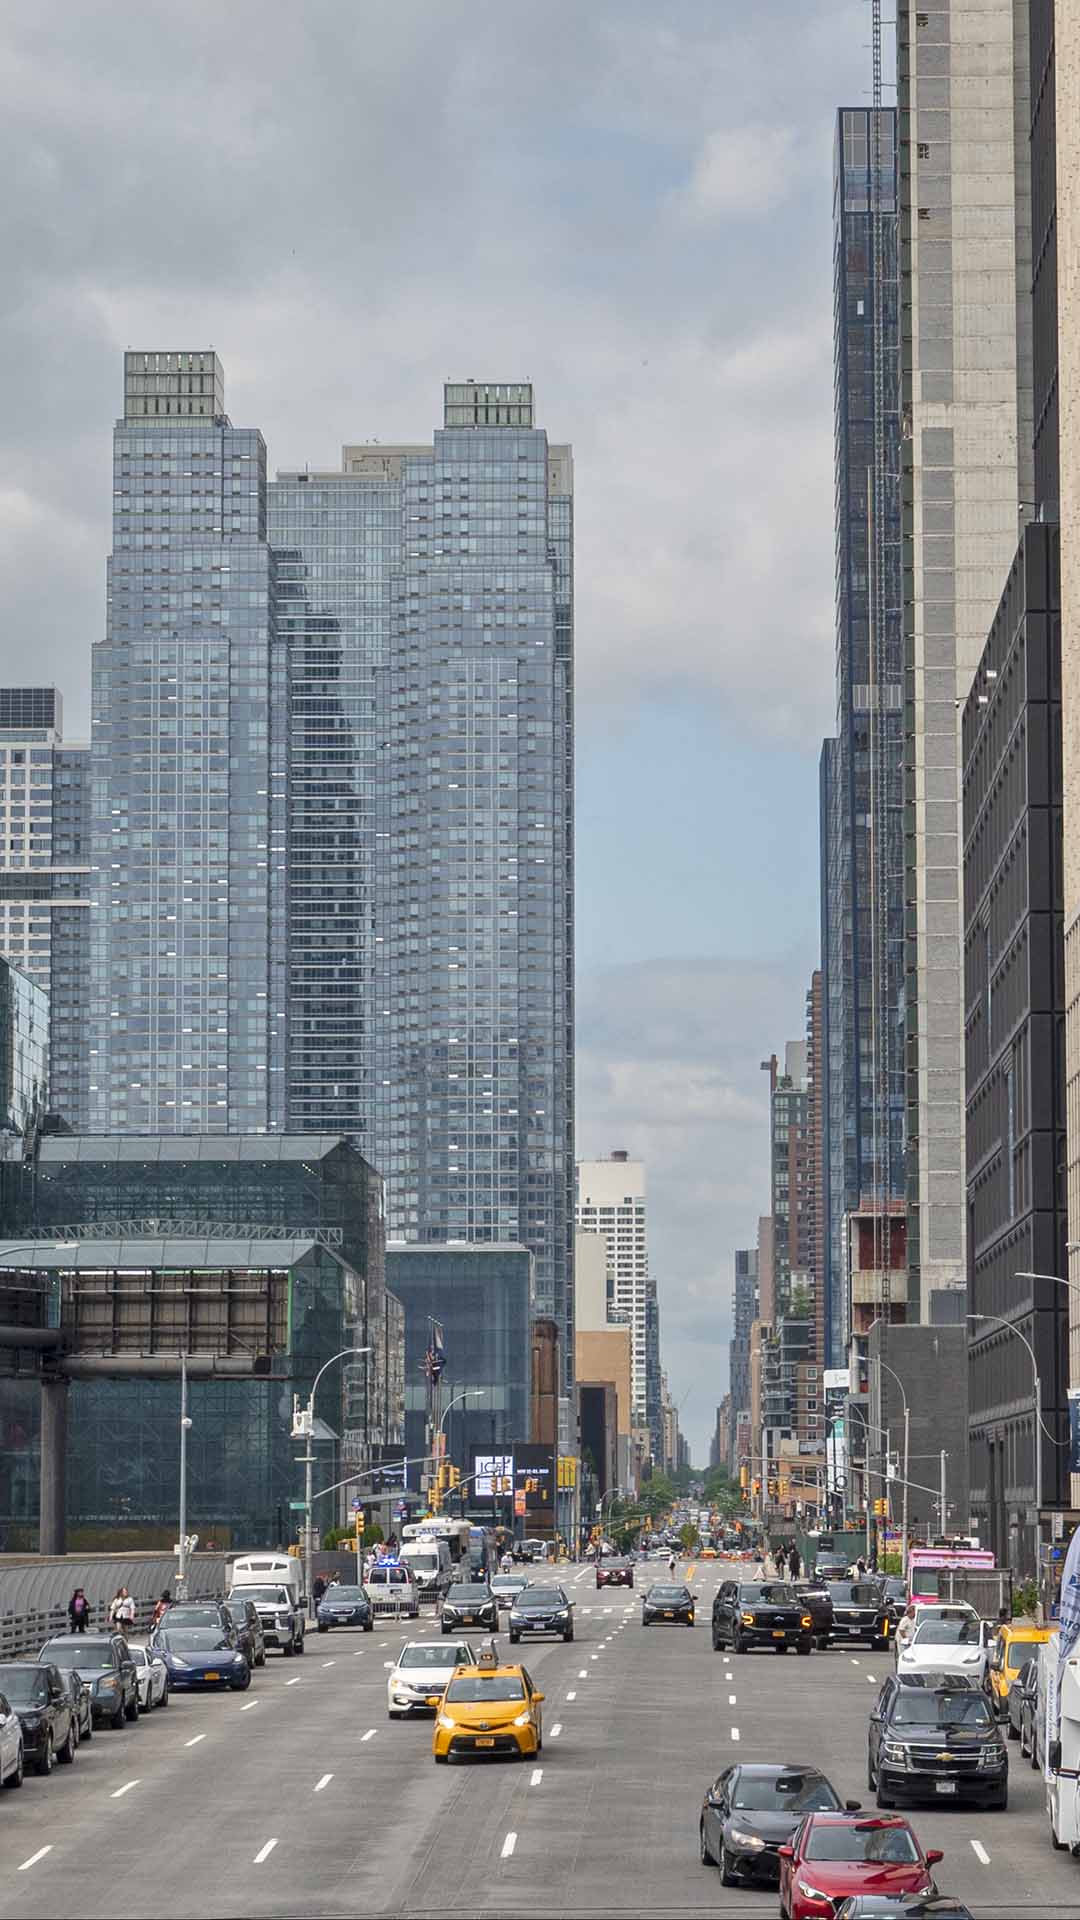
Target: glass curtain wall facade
(862, 770)
(188, 770)
(45, 875)
(24, 1052)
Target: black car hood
(774, 1827)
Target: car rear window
(863, 1842)
(773, 1593)
(469, 1594)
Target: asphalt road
(301, 1798)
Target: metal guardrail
(34, 1593)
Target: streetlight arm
(345, 1351)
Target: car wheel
(370, 1628)
(300, 1644)
(804, 1646)
(1001, 1803)
(703, 1847)
(884, 1799)
(241, 1686)
(870, 1779)
(45, 1759)
(514, 1638)
(441, 1759)
(87, 1732)
(738, 1644)
(822, 1642)
(321, 1628)
(132, 1709)
(118, 1716)
(568, 1636)
(260, 1657)
(164, 1701)
(728, 1876)
(1011, 1732)
(67, 1752)
(15, 1778)
(287, 1649)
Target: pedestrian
(79, 1611)
(318, 1588)
(905, 1628)
(794, 1561)
(860, 1565)
(161, 1608)
(780, 1558)
(121, 1611)
(671, 1565)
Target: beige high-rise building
(611, 1202)
(963, 97)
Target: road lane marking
(34, 1858)
(980, 1852)
(264, 1853)
(247, 1706)
(871, 1679)
(384, 1643)
(594, 1656)
(328, 1663)
(572, 1696)
(126, 1788)
(388, 1663)
(508, 1846)
(735, 1733)
(537, 1776)
(195, 1742)
(293, 1683)
(731, 1699)
(584, 1674)
(369, 1735)
(324, 1782)
(854, 1662)
(555, 1731)
(358, 1652)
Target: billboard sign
(836, 1382)
(489, 1468)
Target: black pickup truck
(760, 1613)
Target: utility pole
(185, 1425)
(944, 1529)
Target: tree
(801, 1305)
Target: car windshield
(774, 1593)
(334, 1595)
(894, 1587)
(480, 1687)
(853, 1593)
(866, 1841)
(543, 1597)
(265, 1596)
(783, 1793)
(194, 1640)
(434, 1657)
(947, 1633)
(966, 1709)
(24, 1686)
(469, 1593)
(193, 1617)
(669, 1593)
(503, 1582)
(427, 1562)
(85, 1655)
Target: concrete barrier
(35, 1591)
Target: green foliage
(891, 1563)
(1026, 1599)
(801, 1304)
(689, 1537)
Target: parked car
(45, 1709)
(82, 1701)
(1013, 1646)
(198, 1657)
(1023, 1705)
(280, 1614)
(11, 1745)
(934, 1736)
(153, 1678)
(244, 1615)
(104, 1662)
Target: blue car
(198, 1657)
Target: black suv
(760, 1613)
(249, 1630)
(814, 1598)
(615, 1573)
(860, 1613)
(935, 1736)
(47, 1713)
(106, 1665)
(541, 1610)
(469, 1603)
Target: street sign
(357, 1506)
(297, 1506)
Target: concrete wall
(34, 1591)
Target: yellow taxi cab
(487, 1708)
(708, 1553)
(1011, 1649)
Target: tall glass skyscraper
(333, 805)
(862, 771)
(188, 781)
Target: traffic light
(455, 1477)
(881, 1508)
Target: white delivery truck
(1062, 1750)
(428, 1560)
(274, 1581)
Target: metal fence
(34, 1593)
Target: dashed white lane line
(358, 1653)
(980, 1852)
(388, 1663)
(871, 1679)
(572, 1696)
(247, 1706)
(508, 1846)
(537, 1776)
(854, 1662)
(195, 1742)
(594, 1656)
(321, 1784)
(384, 1643)
(34, 1858)
(126, 1788)
(735, 1733)
(293, 1683)
(584, 1674)
(731, 1699)
(369, 1735)
(264, 1853)
(555, 1731)
(328, 1663)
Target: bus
(926, 1563)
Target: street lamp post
(185, 1428)
(470, 1393)
(307, 1429)
(1010, 1328)
(884, 1367)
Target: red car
(614, 1573)
(834, 1855)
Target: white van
(428, 1560)
(268, 1570)
(392, 1590)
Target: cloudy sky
(628, 204)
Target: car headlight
(239, 1660)
(31, 1722)
(747, 1619)
(743, 1839)
(176, 1660)
(523, 1720)
(813, 1893)
(991, 1756)
(400, 1699)
(107, 1683)
(563, 1614)
(894, 1753)
(446, 1723)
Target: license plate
(669, 1613)
(212, 1676)
(486, 1742)
(467, 1620)
(944, 1786)
(778, 1633)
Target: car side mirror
(786, 1853)
(935, 1854)
(1053, 1755)
(536, 1697)
(852, 1806)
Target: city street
(301, 1797)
